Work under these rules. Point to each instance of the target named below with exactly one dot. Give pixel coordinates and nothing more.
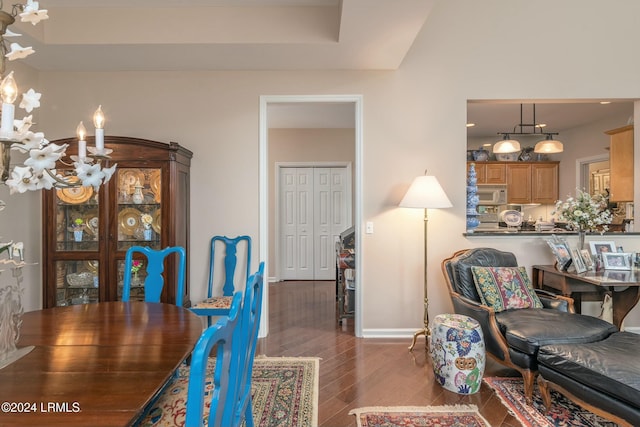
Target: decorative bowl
(507, 157)
(80, 280)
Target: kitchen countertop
(489, 233)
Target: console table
(95, 364)
(624, 286)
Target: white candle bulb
(9, 89)
(81, 131)
(9, 93)
(98, 122)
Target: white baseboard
(388, 333)
(408, 333)
(634, 329)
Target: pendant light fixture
(506, 146)
(549, 145)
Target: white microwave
(492, 195)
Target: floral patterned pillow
(502, 288)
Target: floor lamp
(425, 193)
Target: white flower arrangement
(584, 212)
(147, 220)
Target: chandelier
(39, 168)
(508, 145)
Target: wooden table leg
(623, 302)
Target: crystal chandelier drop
(39, 169)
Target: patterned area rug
(563, 412)
(419, 416)
(284, 393)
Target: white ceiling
(116, 35)
(126, 35)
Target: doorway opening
(267, 179)
(593, 174)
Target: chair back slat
(229, 246)
(154, 282)
(219, 338)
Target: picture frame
(599, 246)
(578, 262)
(616, 260)
(586, 257)
(561, 251)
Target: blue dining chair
(154, 282)
(246, 347)
(221, 337)
(243, 346)
(223, 263)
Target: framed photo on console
(578, 262)
(560, 249)
(586, 257)
(616, 260)
(600, 246)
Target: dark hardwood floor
(357, 372)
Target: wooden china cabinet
(151, 183)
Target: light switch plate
(369, 227)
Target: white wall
(414, 118)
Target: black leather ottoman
(603, 376)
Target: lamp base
(424, 331)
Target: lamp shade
(425, 192)
(506, 146)
(549, 146)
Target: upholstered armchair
(514, 335)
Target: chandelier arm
(63, 182)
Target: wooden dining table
(99, 364)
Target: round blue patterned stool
(457, 351)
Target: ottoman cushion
(530, 328)
(609, 366)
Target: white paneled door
(314, 207)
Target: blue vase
(472, 200)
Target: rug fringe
(440, 408)
(505, 402)
(264, 356)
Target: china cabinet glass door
(139, 220)
(77, 232)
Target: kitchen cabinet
(532, 182)
(490, 172)
(146, 203)
(621, 164)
